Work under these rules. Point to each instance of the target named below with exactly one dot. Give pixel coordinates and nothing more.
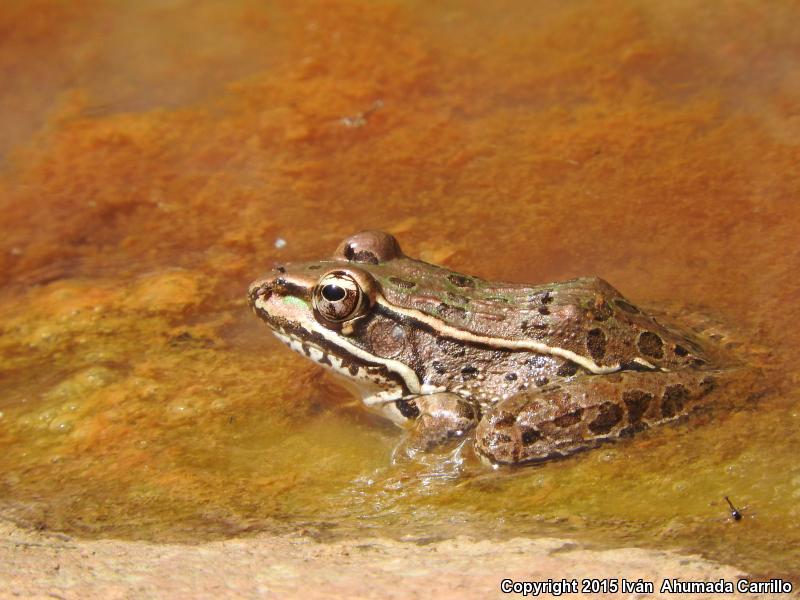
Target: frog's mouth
(372, 382)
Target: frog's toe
(439, 458)
(443, 421)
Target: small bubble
(354, 121)
(219, 405)
(179, 409)
(99, 376)
(60, 426)
(609, 456)
(538, 482)
(280, 243)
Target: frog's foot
(563, 419)
(710, 333)
(443, 418)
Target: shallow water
(154, 153)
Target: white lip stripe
(409, 376)
(466, 336)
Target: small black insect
(735, 512)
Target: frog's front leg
(562, 419)
(434, 420)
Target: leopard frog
(534, 371)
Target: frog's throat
(373, 388)
(467, 336)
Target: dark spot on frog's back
(567, 368)
(402, 283)
(529, 436)
(545, 298)
(609, 415)
(460, 280)
(505, 420)
(469, 372)
(601, 310)
(637, 402)
(596, 343)
(673, 401)
(650, 344)
(569, 419)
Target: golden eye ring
(338, 297)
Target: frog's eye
(338, 297)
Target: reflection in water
(144, 185)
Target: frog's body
(542, 371)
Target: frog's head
(323, 310)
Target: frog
(527, 372)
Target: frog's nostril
(279, 268)
(260, 289)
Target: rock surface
(45, 565)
